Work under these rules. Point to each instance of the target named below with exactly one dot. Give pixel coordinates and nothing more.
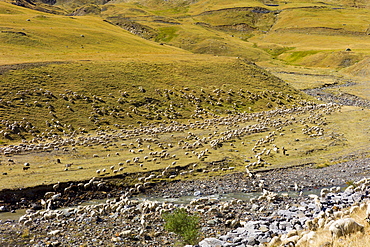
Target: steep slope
(30, 36)
(312, 37)
(72, 96)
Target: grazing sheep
(274, 241)
(368, 213)
(344, 227)
(56, 186)
(307, 239)
(354, 209)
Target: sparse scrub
(184, 225)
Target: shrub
(185, 225)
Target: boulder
(211, 242)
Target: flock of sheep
(123, 107)
(186, 144)
(337, 222)
(334, 220)
(172, 149)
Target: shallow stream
(178, 200)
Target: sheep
(344, 227)
(56, 186)
(324, 192)
(306, 239)
(274, 241)
(368, 213)
(354, 209)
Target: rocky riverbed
(278, 180)
(122, 220)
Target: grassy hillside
(300, 32)
(91, 94)
(30, 36)
(297, 32)
(108, 68)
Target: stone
(251, 241)
(237, 239)
(3, 209)
(126, 233)
(211, 242)
(55, 232)
(197, 193)
(211, 222)
(263, 228)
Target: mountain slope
(29, 36)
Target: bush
(185, 225)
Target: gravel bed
(299, 178)
(125, 221)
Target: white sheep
(368, 212)
(306, 239)
(344, 227)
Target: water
(12, 216)
(178, 200)
(229, 196)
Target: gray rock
(251, 241)
(237, 239)
(211, 242)
(197, 193)
(3, 209)
(211, 222)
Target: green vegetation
(275, 51)
(49, 91)
(298, 55)
(166, 34)
(184, 225)
(121, 66)
(95, 84)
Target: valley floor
(123, 220)
(124, 227)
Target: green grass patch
(166, 34)
(296, 56)
(275, 51)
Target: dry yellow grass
(31, 36)
(355, 240)
(123, 61)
